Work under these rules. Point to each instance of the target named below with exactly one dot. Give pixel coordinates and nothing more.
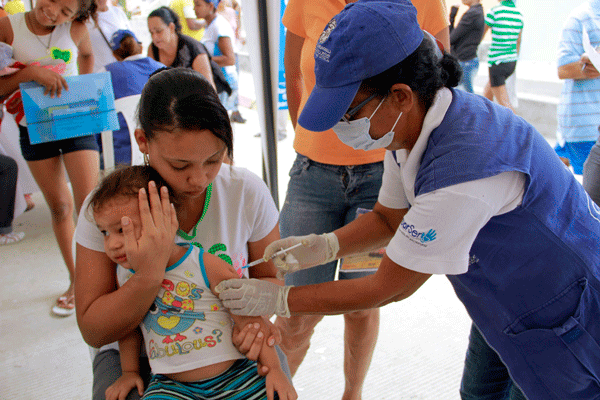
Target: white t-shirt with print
(439, 229)
(240, 210)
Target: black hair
(181, 99)
(167, 16)
(126, 182)
(128, 47)
(422, 71)
(87, 8)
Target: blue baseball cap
(118, 36)
(365, 39)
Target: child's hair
(180, 100)
(167, 16)
(87, 8)
(126, 182)
(128, 47)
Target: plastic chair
(127, 106)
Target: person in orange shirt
(330, 181)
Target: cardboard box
(88, 107)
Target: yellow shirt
(14, 7)
(307, 19)
(185, 9)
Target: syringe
(261, 260)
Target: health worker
(469, 190)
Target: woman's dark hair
(128, 47)
(167, 15)
(422, 71)
(126, 182)
(87, 8)
(181, 99)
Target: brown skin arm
(370, 231)
(195, 24)
(444, 37)
(104, 313)
(390, 283)
(228, 56)
(202, 64)
(85, 56)
(293, 75)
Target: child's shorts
(499, 73)
(240, 381)
(43, 151)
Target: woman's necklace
(206, 203)
(47, 46)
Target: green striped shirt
(506, 22)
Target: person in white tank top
(54, 32)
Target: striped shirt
(506, 22)
(579, 106)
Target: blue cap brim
(326, 106)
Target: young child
(187, 332)
(51, 34)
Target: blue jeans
(485, 377)
(469, 69)
(322, 198)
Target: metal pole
(270, 163)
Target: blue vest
(533, 283)
(128, 78)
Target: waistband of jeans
(333, 167)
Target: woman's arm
(227, 56)
(202, 64)
(293, 73)
(106, 313)
(369, 231)
(85, 55)
(390, 283)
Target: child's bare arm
(129, 348)
(217, 270)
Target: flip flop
(10, 238)
(61, 311)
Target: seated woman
(129, 75)
(174, 49)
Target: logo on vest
(420, 237)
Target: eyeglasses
(350, 113)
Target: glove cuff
(333, 246)
(282, 308)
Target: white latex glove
(254, 297)
(316, 250)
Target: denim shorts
(322, 198)
(43, 151)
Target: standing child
(187, 332)
(54, 32)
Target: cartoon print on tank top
(59, 54)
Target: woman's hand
(254, 297)
(53, 82)
(315, 250)
(149, 253)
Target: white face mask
(356, 133)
